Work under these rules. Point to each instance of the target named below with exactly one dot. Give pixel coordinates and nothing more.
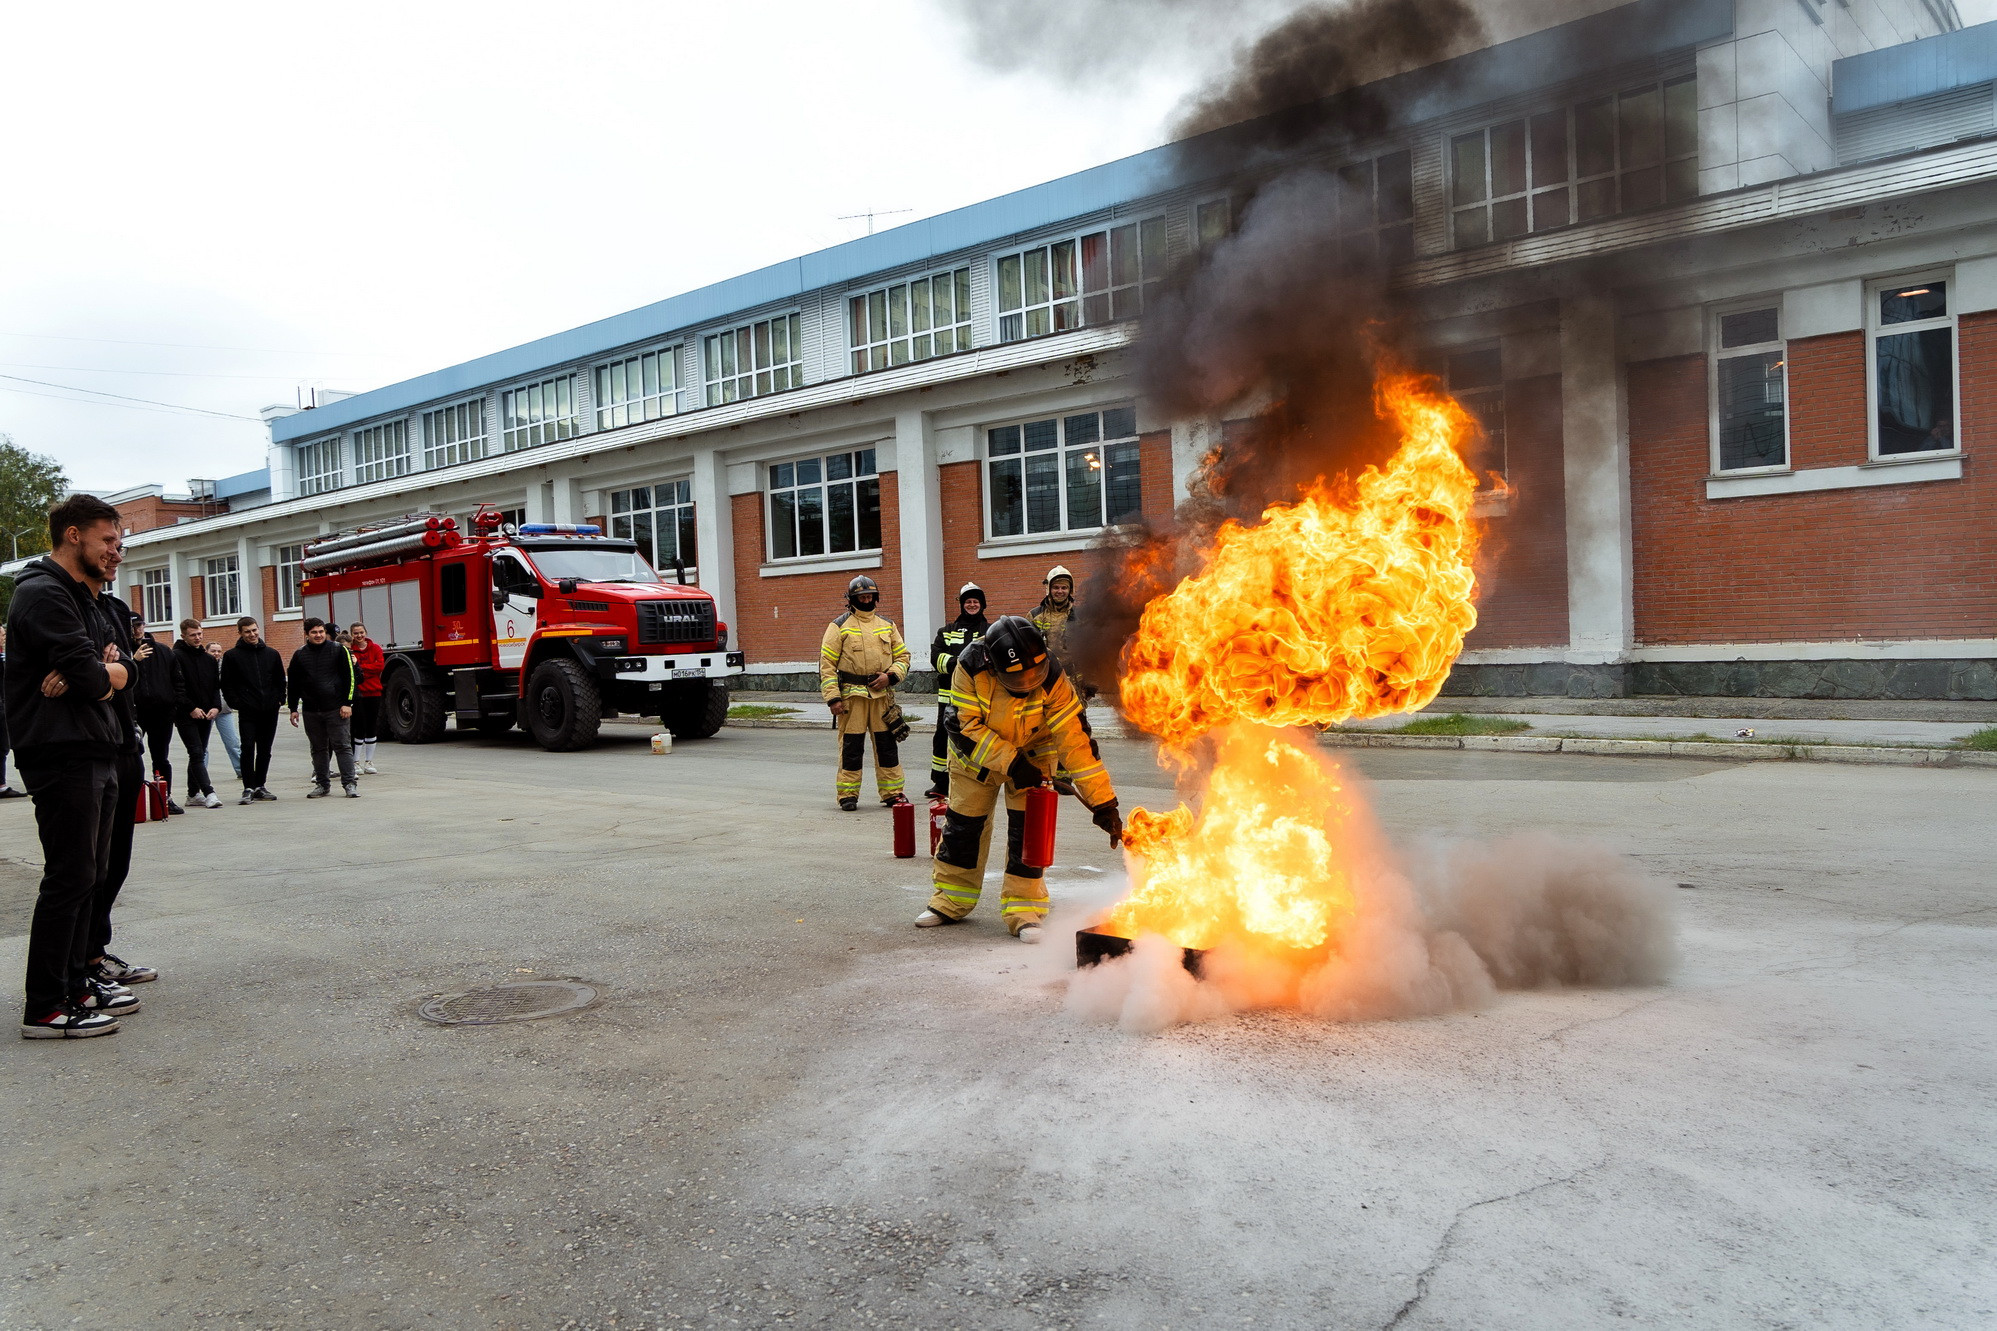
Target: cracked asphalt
(790, 1108)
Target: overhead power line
(174, 374)
(198, 346)
(150, 402)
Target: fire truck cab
(548, 627)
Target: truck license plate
(695, 673)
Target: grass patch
(756, 711)
(1460, 723)
(1985, 738)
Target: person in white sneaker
(198, 696)
(368, 662)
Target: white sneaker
(929, 919)
(369, 769)
(209, 801)
(1029, 933)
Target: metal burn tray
(1094, 946)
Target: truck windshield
(593, 565)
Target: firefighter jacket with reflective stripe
(951, 640)
(993, 726)
(859, 645)
(1053, 622)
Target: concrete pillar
(177, 580)
(249, 578)
(540, 503)
(714, 534)
(920, 486)
(565, 500)
(1191, 442)
(1595, 433)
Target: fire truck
(549, 627)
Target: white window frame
(1874, 330)
(449, 436)
(890, 326)
(1715, 354)
(1083, 306)
(623, 519)
(156, 593)
(290, 562)
(1060, 452)
(221, 573)
(381, 451)
(866, 455)
(321, 452)
(555, 404)
(722, 374)
(617, 406)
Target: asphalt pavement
(788, 1107)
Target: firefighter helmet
(862, 586)
(967, 591)
(1059, 571)
(1018, 654)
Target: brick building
(1719, 275)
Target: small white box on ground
(662, 742)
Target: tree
(30, 485)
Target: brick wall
(1522, 564)
(1894, 561)
(784, 619)
(145, 514)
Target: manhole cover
(523, 1000)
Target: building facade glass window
(536, 414)
(156, 590)
(454, 434)
(1376, 210)
(757, 358)
(638, 388)
(381, 452)
(659, 518)
(825, 505)
(911, 321)
(1095, 278)
(290, 577)
(1913, 368)
(1615, 154)
(222, 587)
(1750, 378)
(1477, 381)
(1066, 473)
(319, 466)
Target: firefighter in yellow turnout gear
(1017, 717)
(860, 661)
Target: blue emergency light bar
(560, 529)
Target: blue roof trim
(247, 483)
(1600, 41)
(1958, 59)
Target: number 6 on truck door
(515, 607)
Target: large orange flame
(1348, 602)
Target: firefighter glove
(1110, 821)
(1024, 773)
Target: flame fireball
(1351, 601)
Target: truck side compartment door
(516, 607)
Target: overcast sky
(216, 203)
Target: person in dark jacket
(63, 672)
(7, 792)
(197, 698)
(321, 679)
(253, 684)
(154, 701)
(110, 973)
(951, 640)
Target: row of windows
(222, 586)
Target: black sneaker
(116, 970)
(318, 792)
(172, 808)
(9, 793)
(850, 803)
(68, 1022)
(263, 793)
(111, 999)
(353, 790)
(248, 796)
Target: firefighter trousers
(967, 839)
(865, 716)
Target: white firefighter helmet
(1059, 571)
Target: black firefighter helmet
(1018, 654)
(859, 587)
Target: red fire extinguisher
(904, 831)
(161, 795)
(939, 811)
(1041, 806)
(144, 812)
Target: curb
(1861, 755)
(800, 723)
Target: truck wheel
(411, 713)
(696, 711)
(562, 707)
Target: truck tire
(696, 711)
(561, 706)
(411, 713)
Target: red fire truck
(550, 627)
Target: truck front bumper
(656, 672)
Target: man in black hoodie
(153, 695)
(253, 684)
(197, 698)
(321, 677)
(951, 640)
(63, 672)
